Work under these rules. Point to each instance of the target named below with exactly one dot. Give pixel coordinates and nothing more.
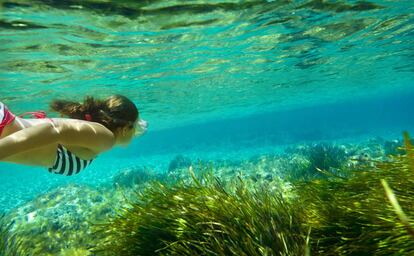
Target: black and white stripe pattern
(67, 163)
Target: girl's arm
(84, 134)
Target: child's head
(117, 113)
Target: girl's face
(127, 134)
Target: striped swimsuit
(67, 163)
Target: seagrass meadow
(363, 208)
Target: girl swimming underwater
(68, 145)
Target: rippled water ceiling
(195, 60)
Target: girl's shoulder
(81, 133)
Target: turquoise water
(215, 79)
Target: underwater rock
(391, 147)
(325, 160)
(133, 176)
(62, 217)
(179, 162)
(365, 153)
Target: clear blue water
(215, 79)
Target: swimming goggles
(141, 127)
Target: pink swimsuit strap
(36, 114)
(9, 117)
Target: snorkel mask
(141, 127)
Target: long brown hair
(115, 112)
